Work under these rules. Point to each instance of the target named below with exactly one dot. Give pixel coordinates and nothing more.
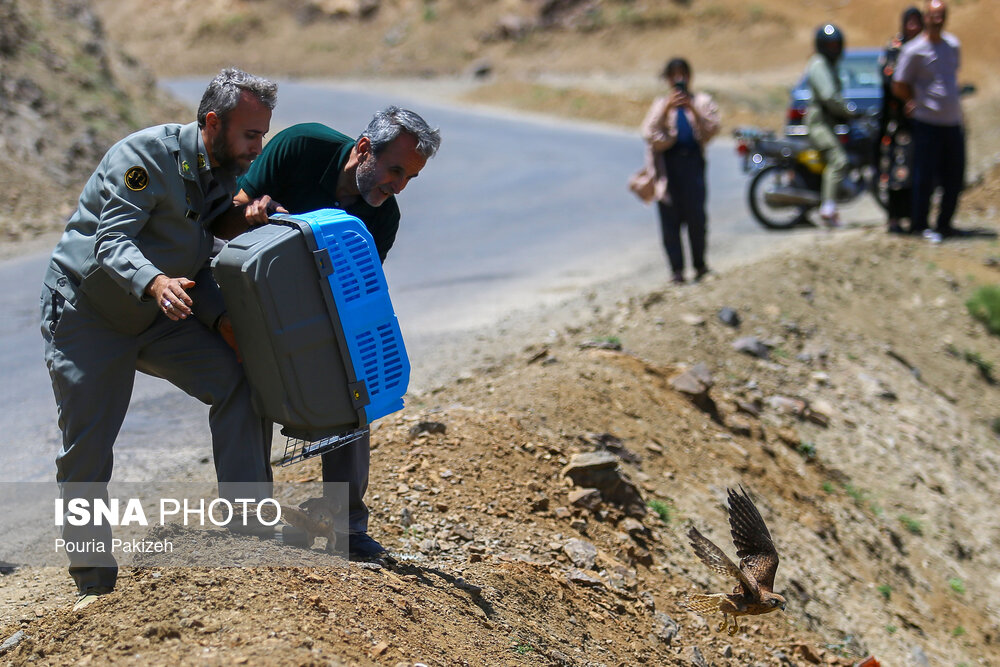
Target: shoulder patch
(201, 160)
(136, 179)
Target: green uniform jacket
(827, 106)
(145, 210)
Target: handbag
(643, 184)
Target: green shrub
(984, 305)
(957, 585)
(662, 509)
(858, 495)
(885, 590)
(911, 524)
(603, 343)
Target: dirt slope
(883, 516)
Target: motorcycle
(787, 172)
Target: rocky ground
(855, 401)
(66, 94)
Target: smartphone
(681, 86)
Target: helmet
(829, 41)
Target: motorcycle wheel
(766, 179)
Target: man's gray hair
(223, 93)
(386, 125)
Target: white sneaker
(932, 236)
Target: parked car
(861, 77)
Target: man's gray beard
(364, 178)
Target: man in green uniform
(128, 288)
(827, 108)
(311, 166)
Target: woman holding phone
(676, 130)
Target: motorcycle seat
(784, 147)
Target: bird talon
(734, 628)
(724, 623)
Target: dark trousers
(938, 159)
(900, 203)
(349, 465)
(92, 368)
(686, 187)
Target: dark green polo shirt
(299, 168)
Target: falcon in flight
(754, 592)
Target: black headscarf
(909, 13)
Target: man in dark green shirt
(310, 166)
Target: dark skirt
(895, 167)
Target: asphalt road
(515, 212)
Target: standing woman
(676, 130)
(895, 149)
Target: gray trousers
(92, 368)
(349, 464)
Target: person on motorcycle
(827, 108)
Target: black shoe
(364, 547)
(896, 229)
(700, 274)
(678, 278)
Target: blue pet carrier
(320, 342)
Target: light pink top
(659, 130)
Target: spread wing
(717, 560)
(752, 539)
(704, 604)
